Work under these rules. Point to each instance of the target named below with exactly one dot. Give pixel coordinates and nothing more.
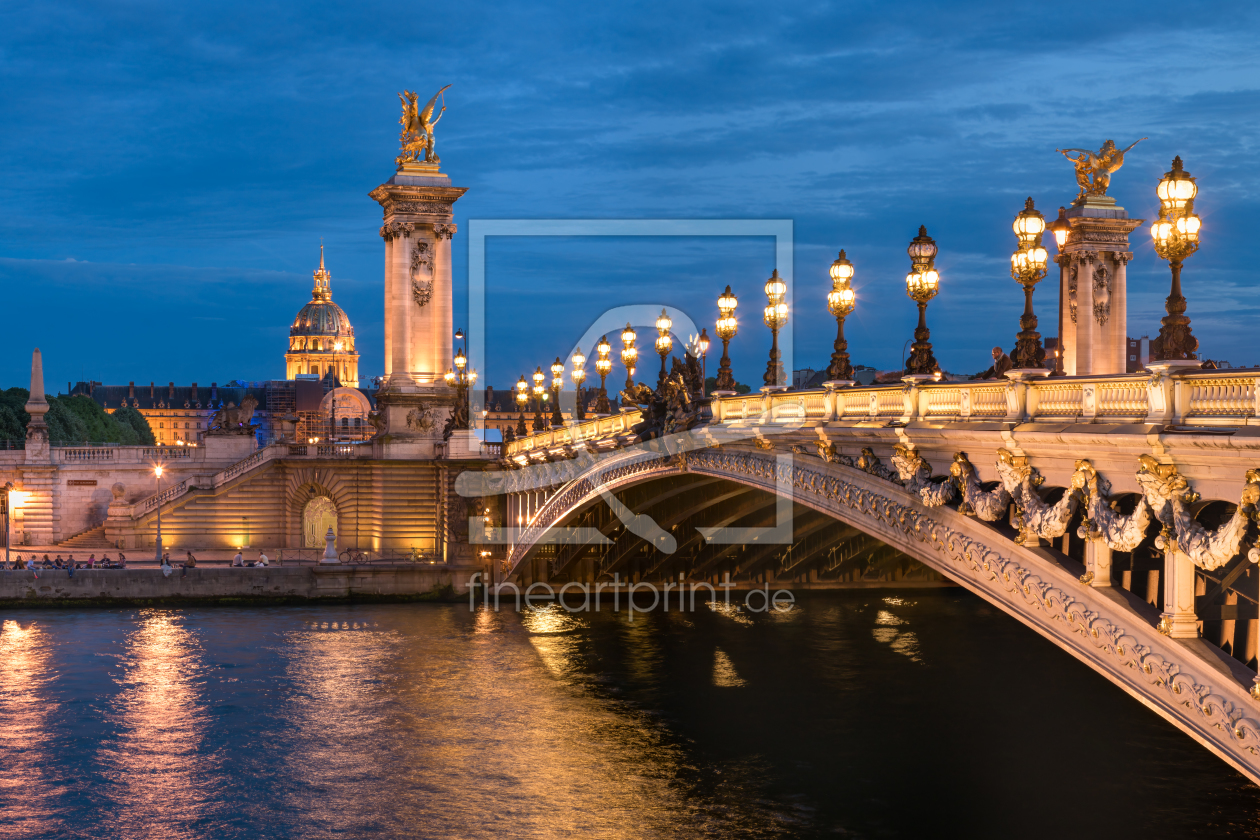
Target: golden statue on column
(1097, 166)
(417, 128)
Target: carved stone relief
(421, 289)
(1102, 294)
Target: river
(878, 713)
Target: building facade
(321, 340)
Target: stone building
(321, 340)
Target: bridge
(1114, 515)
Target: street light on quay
(664, 343)
(1028, 267)
(775, 316)
(522, 399)
(629, 358)
(1062, 230)
(603, 366)
(840, 302)
(539, 393)
(922, 284)
(578, 375)
(1176, 236)
(702, 344)
(557, 382)
(726, 328)
(157, 471)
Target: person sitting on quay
(122, 560)
(262, 559)
(238, 560)
(166, 565)
(91, 563)
(46, 563)
(30, 563)
(70, 562)
(190, 562)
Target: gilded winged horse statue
(417, 128)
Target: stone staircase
(93, 537)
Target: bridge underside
(821, 552)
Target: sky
(169, 170)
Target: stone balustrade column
(1178, 619)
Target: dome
(321, 316)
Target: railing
(1206, 397)
(12, 444)
(65, 455)
(115, 453)
(162, 498)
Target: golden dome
(321, 316)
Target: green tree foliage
(64, 425)
(10, 426)
(136, 421)
(15, 399)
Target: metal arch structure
(1189, 682)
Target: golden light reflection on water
(26, 713)
(155, 760)
(886, 630)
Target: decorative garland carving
(1072, 275)
(989, 506)
(869, 462)
(393, 230)
(916, 475)
(1033, 517)
(421, 290)
(1102, 294)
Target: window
(1132, 358)
(345, 422)
(161, 425)
(358, 421)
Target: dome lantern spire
(322, 291)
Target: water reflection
(26, 715)
(159, 774)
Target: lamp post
(922, 284)
(539, 392)
(840, 302)
(462, 380)
(1061, 229)
(603, 365)
(557, 382)
(629, 358)
(702, 344)
(578, 375)
(663, 345)
(522, 399)
(726, 328)
(1176, 235)
(774, 316)
(157, 471)
(4, 503)
(1028, 267)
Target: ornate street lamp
(1028, 266)
(462, 380)
(539, 393)
(774, 316)
(603, 366)
(557, 382)
(1176, 235)
(1062, 229)
(629, 358)
(522, 398)
(840, 301)
(922, 284)
(726, 328)
(578, 375)
(663, 345)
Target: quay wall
(310, 583)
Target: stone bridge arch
(1187, 681)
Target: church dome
(321, 316)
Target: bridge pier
(1178, 619)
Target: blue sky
(169, 170)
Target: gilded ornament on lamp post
(539, 393)
(629, 358)
(663, 345)
(557, 382)
(1028, 267)
(603, 365)
(522, 399)
(578, 375)
(840, 302)
(922, 284)
(774, 316)
(1176, 236)
(726, 328)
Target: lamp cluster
(775, 316)
(1028, 267)
(1176, 236)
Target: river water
(860, 714)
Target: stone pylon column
(39, 474)
(1095, 339)
(418, 204)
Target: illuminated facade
(321, 340)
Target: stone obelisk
(39, 476)
(418, 204)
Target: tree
(710, 385)
(64, 425)
(135, 420)
(10, 427)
